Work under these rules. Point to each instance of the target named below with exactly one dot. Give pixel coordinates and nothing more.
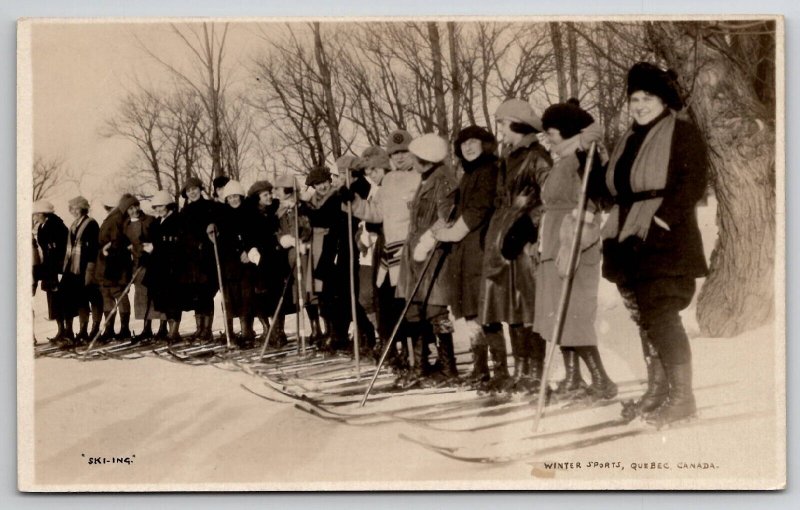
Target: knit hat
(518, 110)
(346, 162)
(652, 79)
(79, 202)
(191, 182)
(318, 175)
(162, 197)
(477, 133)
(43, 207)
(398, 141)
(375, 157)
(231, 189)
(258, 187)
(285, 181)
(568, 118)
(430, 147)
(126, 201)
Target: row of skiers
(487, 240)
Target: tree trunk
(572, 46)
(739, 292)
(438, 80)
(455, 79)
(330, 106)
(558, 55)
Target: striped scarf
(72, 261)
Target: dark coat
(164, 265)
(273, 268)
(138, 232)
(286, 226)
(330, 250)
(237, 237)
(199, 267)
(674, 252)
(432, 202)
(114, 269)
(474, 203)
(508, 287)
(88, 242)
(51, 238)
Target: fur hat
(430, 147)
(318, 175)
(43, 207)
(162, 197)
(191, 182)
(375, 157)
(286, 181)
(477, 133)
(126, 201)
(518, 110)
(568, 118)
(219, 184)
(652, 79)
(398, 141)
(232, 188)
(258, 187)
(79, 202)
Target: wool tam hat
(43, 207)
(126, 201)
(518, 110)
(652, 79)
(162, 197)
(398, 141)
(285, 181)
(79, 202)
(430, 147)
(375, 157)
(232, 188)
(191, 182)
(568, 118)
(258, 187)
(318, 175)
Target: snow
(191, 425)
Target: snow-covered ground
(189, 425)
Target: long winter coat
(138, 232)
(198, 276)
(474, 203)
(235, 239)
(113, 269)
(508, 287)
(286, 226)
(51, 238)
(679, 250)
(432, 203)
(164, 265)
(81, 251)
(560, 196)
(329, 248)
(273, 267)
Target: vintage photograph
(447, 253)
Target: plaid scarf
(72, 261)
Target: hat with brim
(43, 207)
(191, 182)
(231, 189)
(517, 110)
(79, 202)
(430, 147)
(162, 197)
(258, 187)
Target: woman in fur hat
(81, 294)
(475, 148)
(50, 241)
(508, 288)
(652, 249)
(563, 124)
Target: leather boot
(248, 337)
(278, 338)
(147, 332)
(206, 335)
(537, 353)
(59, 338)
(602, 386)
(83, 334)
(501, 380)
(69, 335)
(680, 403)
(162, 330)
(108, 334)
(174, 336)
(480, 366)
(124, 326)
(199, 323)
(657, 386)
(446, 352)
(316, 331)
(572, 385)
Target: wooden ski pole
(221, 288)
(353, 262)
(112, 313)
(301, 305)
(566, 288)
(275, 317)
(397, 324)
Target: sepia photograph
(421, 253)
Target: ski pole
(350, 242)
(298, 262)
(566, 288)
(221, 287)
(397, 324)
(112, 313)
(274, 317)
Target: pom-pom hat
(398, 141)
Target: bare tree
(48, 173)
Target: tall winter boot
(501, 380)
(679, 404)
(162, 330)
(108, 333)
(229, 324)
(174, 336)
(519, 350)
(59, 338)
(657, 386)
(536, 354)
(572, 386)
(278, 338)
(248, 337)
(602, 386)
(83, 327)
(198, 333)
(446, 353)
(97, 321)
(147, 332)
(479, 376)
(124, 326)
(69, 335)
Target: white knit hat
(162, 197)
(43, 207)
(232, 188)
(430, 147)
